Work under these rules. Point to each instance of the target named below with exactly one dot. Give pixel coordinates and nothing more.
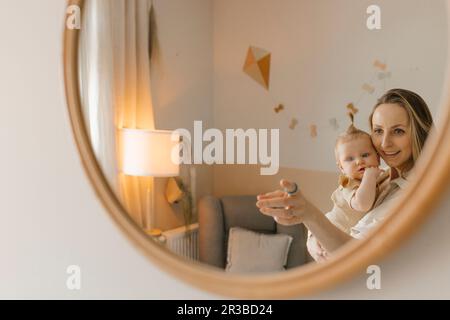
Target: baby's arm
(365, 195)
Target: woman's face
(391, 135)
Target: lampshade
(148, 153)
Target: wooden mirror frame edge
(432, 175)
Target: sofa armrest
(212, 236)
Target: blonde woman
(400, 124)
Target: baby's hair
(350, 134)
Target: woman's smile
(390, 154)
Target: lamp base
(157, 235)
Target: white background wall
(182, 74)
(322, 54)
(50, 217)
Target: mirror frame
(432, 180)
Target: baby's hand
(315, 249)
(373, 172)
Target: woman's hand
(284, 208)
(295, 209)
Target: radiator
(183, 241)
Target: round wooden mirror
(431, 171)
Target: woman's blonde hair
(420, 119)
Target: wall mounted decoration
(368, 88)
(432, 178)
(293, 124)
(384, 75)
(379, 65)
(257, 66)
(351, 108)
(313, 130)
(279, 108)
(334, 124)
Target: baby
(358, 162)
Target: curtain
(114, 76)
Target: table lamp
(148, 153)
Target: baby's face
(357, 155)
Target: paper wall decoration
(367, 87)
(279, 108)
(257, 66)
(351, 107)
(313, 130)
(334, 124)
(384, 75)
(293, 124)
(379, 65)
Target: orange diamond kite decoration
(257, 66)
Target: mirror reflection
(260, 135)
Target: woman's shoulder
(383, 180)
(392, 176)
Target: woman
(400, 124)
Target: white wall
(182, 72)
(182, 63)
(50, 217)
(322, 54)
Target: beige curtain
(115, 89)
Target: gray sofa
(217, 216)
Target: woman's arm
(365, 195)
(296, 209)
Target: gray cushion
(254, 252)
